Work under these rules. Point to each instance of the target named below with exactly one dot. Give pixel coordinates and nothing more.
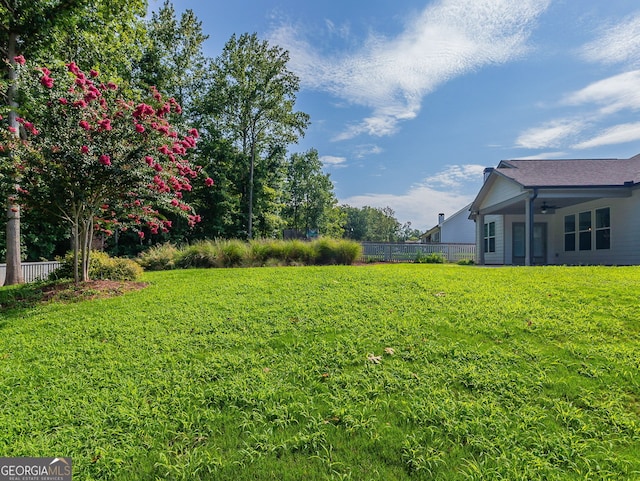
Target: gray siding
(502, 190)
(625, 233)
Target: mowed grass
(390, 372)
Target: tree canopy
(251, 102)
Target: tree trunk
(75, 247)
(251, 169)
(14, 267)
(82, 253)
(86, 248)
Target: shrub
(101, 267)
(258, 252)
(297, 252)
(348, 252)
(332, 251)
(199, 254)
(231, 253)
(274, 250)
(324, 251)
(433, 258)
(159, 258)
(466, 262)
(278, 252)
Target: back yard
(390, 372)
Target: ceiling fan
(544, 208)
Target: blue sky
(410, 100)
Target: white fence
(32, 271)
(388, 252)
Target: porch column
(480, 239)
(528, 230)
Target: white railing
(32, 271)
(390, 252)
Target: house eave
(563, 196)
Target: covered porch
(530, 227)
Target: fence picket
(390, 252)
(32, 271)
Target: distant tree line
(242, 103)
(376, 225)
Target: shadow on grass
(14, 300)
(17, 298)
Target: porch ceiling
(518, 207)
(553, 199)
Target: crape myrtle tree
(101, 162)
(104, 32)
(251, 101)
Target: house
(577, 211)
(457, 229)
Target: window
(490, 237)
(570, 232)
(584, 219)
(603, 229)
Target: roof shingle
(572, 172)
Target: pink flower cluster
(46, 80)
(89, 91)
(28, 126)
(193, 220)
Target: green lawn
(260, 374)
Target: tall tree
(267, 186)
(308, 194)
(251, 101)
(108, 35)
(173, 60)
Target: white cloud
(619, 43)
(391, 75)
(601, 99)
(551, 134)
(456, 175)
(337, 30)
(544, 156)
(447, 191)
(367, 149)
(613, 93)
(618, 134)
(332, 160)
